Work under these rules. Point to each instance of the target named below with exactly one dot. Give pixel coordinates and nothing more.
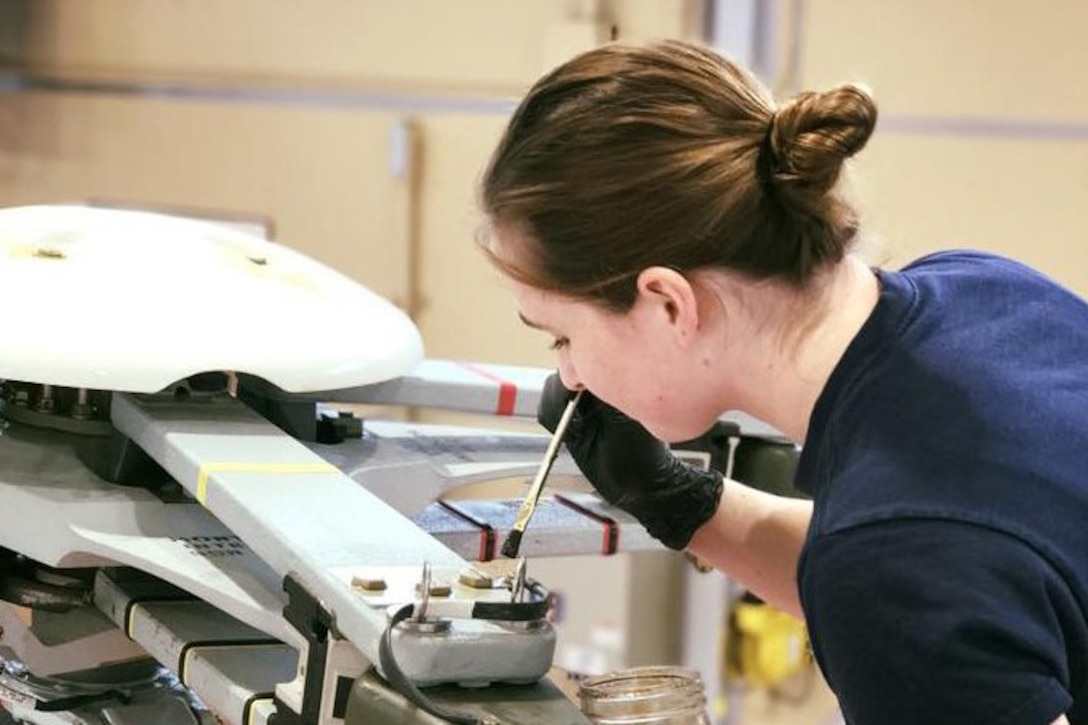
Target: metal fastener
(45, 400)
(475, 579)
(369, 584)
(81, 409)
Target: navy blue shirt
(945, 574)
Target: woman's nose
(567, 374)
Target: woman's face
(631, 360)
(660, 362)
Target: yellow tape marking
(130, 621)
(238, 467)
(253, 709)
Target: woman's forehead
(544, 309)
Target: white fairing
(134, 301)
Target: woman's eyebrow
(529, 323)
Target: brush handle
(513, 539)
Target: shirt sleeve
(940, 622)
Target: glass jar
(645, 696)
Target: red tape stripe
(508, 392)
(610, 536)
(487, 534)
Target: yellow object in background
(767, 646)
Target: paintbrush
(513, 539)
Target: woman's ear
(671, 294)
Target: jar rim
(640, 683)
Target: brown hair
(627, 157)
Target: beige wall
(485, 45)
(983, 137)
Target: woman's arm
(756, 538)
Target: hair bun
(812, 134)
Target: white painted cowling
(134, 301)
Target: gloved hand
(631, 468)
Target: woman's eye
(559, 343)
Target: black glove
(631, 468)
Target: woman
(683, 241)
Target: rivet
(475, 579)
(369, 584)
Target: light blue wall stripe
(980, 126)
(363, 100)
(415, 103)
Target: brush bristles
(512, 544)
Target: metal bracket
(315, 624)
